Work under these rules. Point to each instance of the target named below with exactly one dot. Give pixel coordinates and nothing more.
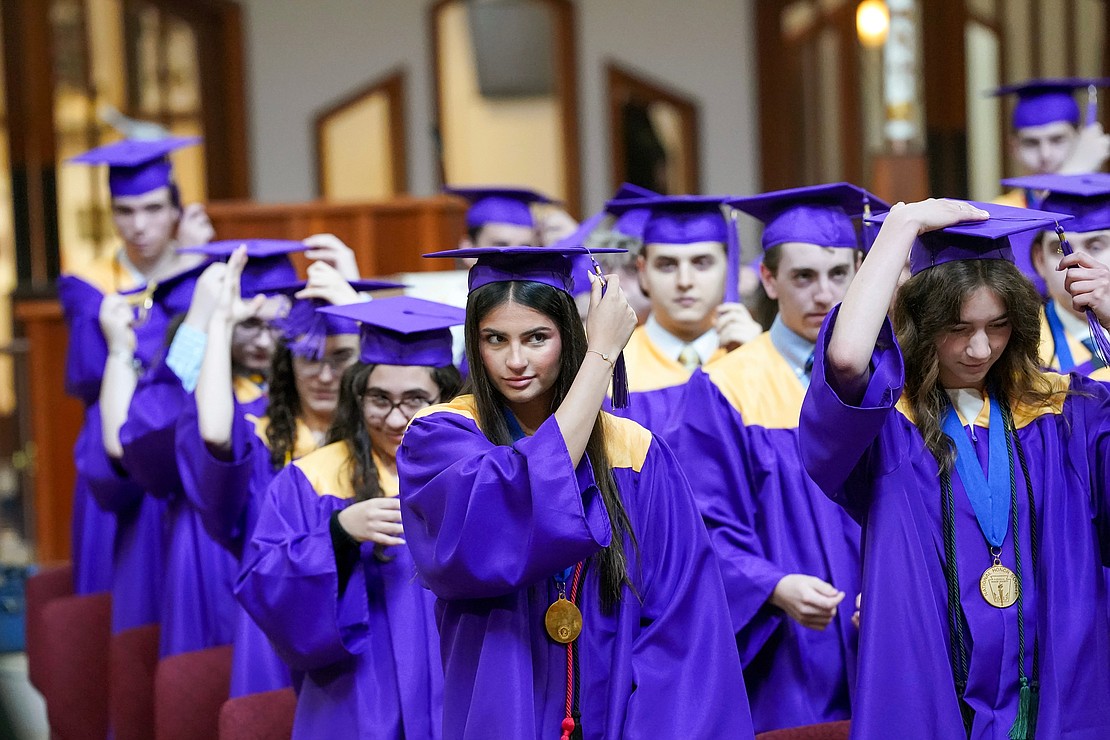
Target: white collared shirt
(671, 346)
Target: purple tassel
(620, 383)
(732, 253)
(1102, 344)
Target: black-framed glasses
(380, 405)
(306, 367)
(253, 327)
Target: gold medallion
(999, 586)
(563, 621)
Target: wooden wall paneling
(55, 422)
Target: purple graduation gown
(227, 493)
(488, 526)
(767, 519)
(198, 609)
(367, 644)
(93, 528)
(870, 458)
(137, 553)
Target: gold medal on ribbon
(999, 586)
(563, 621)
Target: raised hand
(330, 250)
(195, 227)
(610, 320)
(116, 319)
(1091, 150)
(1088, 282)
(735, 326)
(328, 284)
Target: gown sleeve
(485, 520)
(711, 431)
(148, 435)
(686, 673)
(290, 584)
(218, 486)
(87, 350)
(837, 437)
(110, 485)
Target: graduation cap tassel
(1022, 729)
(732, 253)
(620, 383)
(1098, 334)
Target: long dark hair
(560, 308)
(930, 303)
(349, 426)
(284, 406)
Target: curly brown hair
(284, 407)
(929, 304)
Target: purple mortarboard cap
(631, 221)
(305, 330)
(137, 166)
(552, 266)
(403, 330)
(268, 266)
(977, 240)
(499, 205)
(1086, 197)
(1046, 101)
(817, 214)
(677, 219)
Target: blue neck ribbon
(1059, 338)
(989, 494)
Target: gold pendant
(563, 621)
(999, 586)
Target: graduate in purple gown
(227, 457)
(1066, 341)
(789, 556)
(198, 608)
(576, 586)
(688, 269)
(327, 574)
(980, 481)
(151, 222)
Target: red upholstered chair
(74, 672)
(188, 691)
(132, 659)
(823, 731)
(47, 584)
(265, 716)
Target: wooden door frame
(618, 77)
(392, 85)
(566, 92)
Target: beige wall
(304, 56)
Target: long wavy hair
(284, 406)
(350, 427)
(612, 561)
(929, 304)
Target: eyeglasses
(252, 328)
(305, 367)
(380, 406)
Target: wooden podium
(387, 237)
